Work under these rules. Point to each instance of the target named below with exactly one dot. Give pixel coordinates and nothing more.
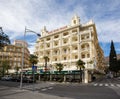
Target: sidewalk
(25, 94)
(38, 85)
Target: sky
(15, 15)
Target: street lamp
(26, 30)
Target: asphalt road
(100, 89)
(85, 91)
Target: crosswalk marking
(118, 85)
(95, 84)
(106, 84)
(100, 84)
(43, 89)
(111, 85)
(50, 88)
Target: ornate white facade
(70, 43)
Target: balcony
(55, 54)
(65, 35)
(48, 39)
(65, 42)
(90, 66)
(74, 51)
(85, 49)
(54, 62)
(47, 46)
(74, 40)
(74, 60)
(74, 33)
(55, 44)
(56, 37)
(62, 61)
(85, 37)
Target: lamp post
(26, 30)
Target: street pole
(23, 54)
(21, 80)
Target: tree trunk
(80, 75)
(45, 65)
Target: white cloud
(109, 30)
(16, 14)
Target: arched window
(88, 55)
(85, 46)
(83, 55)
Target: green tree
(5, 67)
(33, 59)
(106, 70)
(80, 65)
(113, 59)
(17, 69)
(118, 64)
(46, 58)
(59, 67)
(4, 39)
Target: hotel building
(70, 43)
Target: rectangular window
(64, 58)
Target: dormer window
(74, 21)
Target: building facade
(13, 54)
(70, 43)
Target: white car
(6, 78)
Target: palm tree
(46, 58)
(33, 59)
(80, 64)
(59, 67)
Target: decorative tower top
(43, 31)
(75, 20)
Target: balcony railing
(65, 36)
(54, 54)
(65, 43)
(74, 51)
(90, 66)
(85, 49)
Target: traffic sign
(34, 68)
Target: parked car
(16, 78)
(6, 78)
(3, 78)
(29, 79)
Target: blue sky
(34, 14)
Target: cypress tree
(113, 59)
